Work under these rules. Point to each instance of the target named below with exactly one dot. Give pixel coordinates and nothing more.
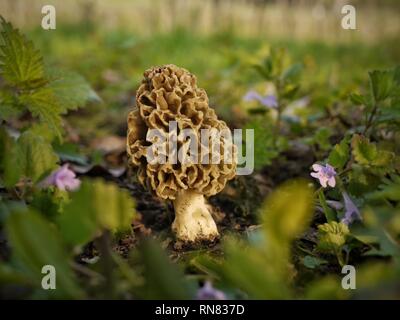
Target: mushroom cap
(169, 93)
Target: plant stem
(104, 247)
(370, 119)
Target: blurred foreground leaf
(263, 271)
(162, 279)
(95, 207)
(36, 243)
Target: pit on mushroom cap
(169, 93)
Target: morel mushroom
(168, 95)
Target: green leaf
(326, 288)
(262, 275)
(162, 279)
(9, 169)
(364, 152)
(20, 63)
(389, 190)
(71, 90)
(382, 84)
(288, 210)
(265, 148)
(359, 99)
(289, 91)
(285, 215)
(313, 262)
(96, 206)
(292, 72)
(339, 155)
(8, 106)
(329, 214)
(42, 103)
(321, 137)
(34, 156)
(36, 243)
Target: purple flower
(207, 292)
(337, 205)
(268, 101)
(63, 178)
(325, 174)
(351, 212)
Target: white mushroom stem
(193, 222)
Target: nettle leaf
(9, 169)
(367, 154)
(20, 63)
(36, 243)
(34, 156)
(340, 153)
(382, 84)
(364, 151)
(70, 89)
(42, 103)
(96, 206)
(9, 107)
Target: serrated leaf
(20, 63)
(364, 151)
(9, 170)
(384, 160)
(34, 156)
(340, 154)
(382, 84)
(96, 206)
(8, 106)
(36, 243)
(71, 90)
(42, 103)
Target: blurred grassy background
(112, 42)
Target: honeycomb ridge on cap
(169, 93)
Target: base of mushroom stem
(193, 221)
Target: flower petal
(316, 167)
(332, 182)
